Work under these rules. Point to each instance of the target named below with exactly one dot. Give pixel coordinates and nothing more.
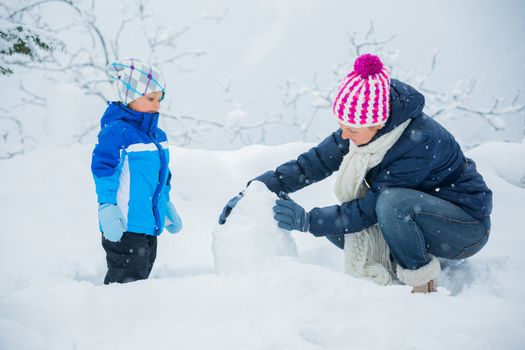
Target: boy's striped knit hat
(363, 98)
(134, 78)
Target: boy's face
(359, 136)
(149, 103)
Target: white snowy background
(289, 292)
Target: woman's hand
(290, 215)
(229, 206)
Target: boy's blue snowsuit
(130, 168)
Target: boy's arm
(106, 164)
(312, 166)
(167, 188)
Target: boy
(131, 173)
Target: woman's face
(359, 136)
(149, 103)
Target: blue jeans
(415, 223)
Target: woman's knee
(391, 200)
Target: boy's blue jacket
(426, 158)
(130, 167)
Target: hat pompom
(367, 65)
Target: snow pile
(251, 238)
(506, 160)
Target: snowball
(250, 238)
(236, 116)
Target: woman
(407, 192)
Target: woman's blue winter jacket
(426, 158)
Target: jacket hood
(405, 103)
(146, 122)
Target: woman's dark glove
(290, 215)
(229, 206)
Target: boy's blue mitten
(175, 223)
(112, 221)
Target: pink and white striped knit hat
(363, 98)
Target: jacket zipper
(157, 193)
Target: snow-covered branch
(22, 44)
(84, 56)
(445, 105)
(13, 140)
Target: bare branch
(29, 98)
(177, 57)
(447, 105)
(85, 67)
(358, 45)
(13, 141)
(31, 6)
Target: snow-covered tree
(88, 48)
(22, 44)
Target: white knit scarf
(366, 252)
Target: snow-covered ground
(52, 267)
